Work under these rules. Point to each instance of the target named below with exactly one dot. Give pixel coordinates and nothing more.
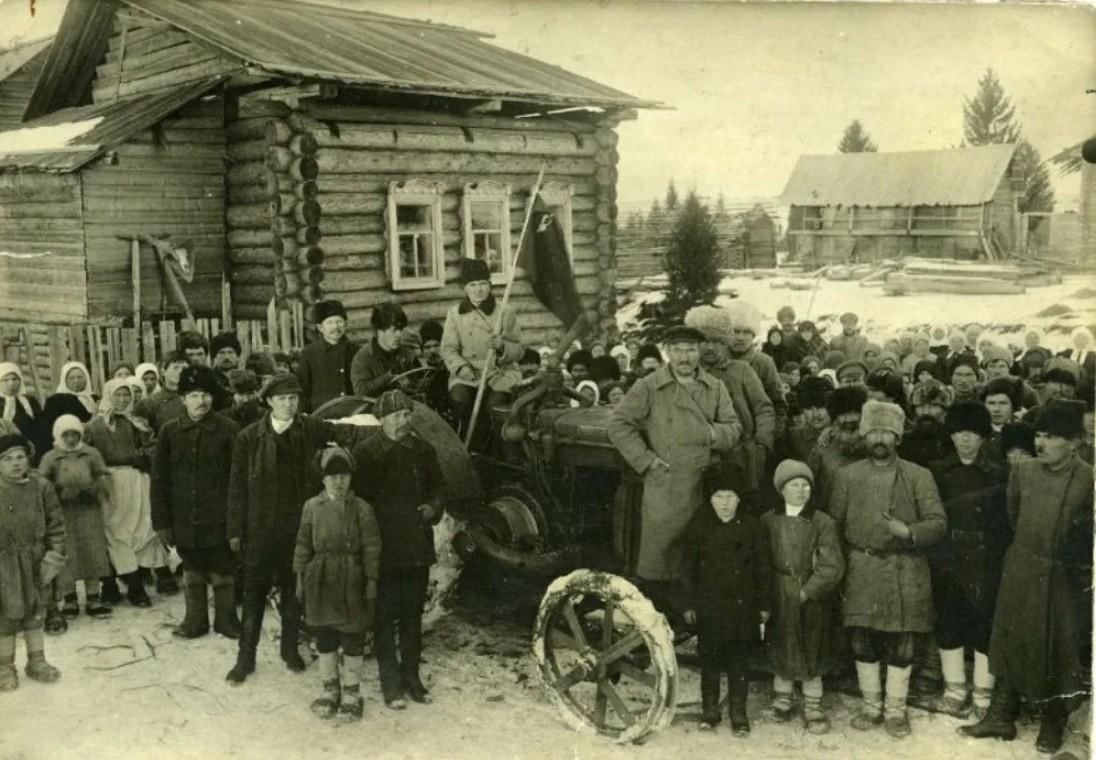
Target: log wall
(168, 181)
(42, 272)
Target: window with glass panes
(416, 256)
(486, 214)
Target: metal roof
(958, 177)
(119, 121)
(17, 57)
(355, 47)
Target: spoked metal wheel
(606, 656)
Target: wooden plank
(167, 337)
(209, 67)
(113, 345)
(58, 351)
(285, 330)
(148, 343)
(131, 345)
(95, 357)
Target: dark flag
(547, 265)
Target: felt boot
(1000, 719)
(165, 582)
(196, 622)
(897, 721)
(782, 706)
(709, 698)
(1052, 727)
(871, 693)
(135, 590)
(250, 629)
(955, 701)
(927, 676)
(37, 668)
(739, 689)
(55, 622)
(352, 706)
(327, 704)
(983, 685)
(225, 620)
(9, 677)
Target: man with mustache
(927, 440)
(888, 510)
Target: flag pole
(502, 307)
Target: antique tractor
(551, 498)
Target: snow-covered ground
(883, 316)
(130, 690)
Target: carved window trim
(422, 193)
(488, 192)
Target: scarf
(7, 368)
(64, 424)
(144, 369)
(110, 413)
(487, 307)
(85, 396)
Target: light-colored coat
(466, 342)
(660, 418)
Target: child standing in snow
(337, 562)
(808, 564)
(32, 545)
(727, 580)
(79, 474)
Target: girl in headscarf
(149, 375)
(590, 390)
(125, 441)
(121, 370)
(81, 479)
(138, 390)
(72, 396)
(20, 409)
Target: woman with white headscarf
(22, 410)
(1083, 351)
(125, 441)
(149, 375)
(72, 396)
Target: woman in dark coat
(780, 351)
(728, 571)
(22, 410)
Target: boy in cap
(398, 473)
(323, 366)
(888, 511)
(850, 342)
(1042, 624)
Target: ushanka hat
(790, 469)
(812, 392)
(714, 322)
(243, 381)
(201, 379)
(474, 270)
(224, 340)
(1017, 435)
(431, 330)
(846, 400)
(15, 441)
(882, 415)
(744, 315)
(1004, 386)
(390, 402)
(996, 353)
(932, 392)
(325, 309)
(725, 476)
(281, 384)
(968, 416)
(1062, 418)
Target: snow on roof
(54, 138)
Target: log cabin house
(861, 207)
(304, 152)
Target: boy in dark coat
(190, 477)
(399, 474)
(727, 581)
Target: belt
(967, 536)
(879, 553)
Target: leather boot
(739, 689)
(135, 590)
(110, 593)
(225, 620)
(196, 622)
(709, 698)
(1052, 726)
(249, 640)
(1000, 720)
(291, 630)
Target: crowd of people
(876, 506)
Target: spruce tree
(856, 139)
(1038, 194)
(692, 258)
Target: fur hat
(853, 363)
(849, 318)
(431, 330)
(16, 441)
(198, 379)
(581, 356)
(813, 392)
(259, 362)
(886, 382)
(996, 353)
(833, 359)
(882, 415)
(744, 315)
(1062, 363)
(725, 476)
(1060, 375)
(325, 309)
(965, 360)
(785, 311)
(1062, 418)
(390, 402)
(474, 270)
(714, 322)
(224, 340)
(1005, 386)
(932, 392)
(846, 400)
(790, 469)
(969, 416)
(604, 368)
(682, 334)
(243, 381)
(649, 351)
(281, 384)
(925, 365)
(1018, 435)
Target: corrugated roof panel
(370, 48)
(119, 121)
(959, 177)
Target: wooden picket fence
(42, 350)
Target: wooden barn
(860, 207)
(298, 152)
(19, 67)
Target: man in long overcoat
(1042, 625)
(190, 474)
(668, 428)
(269, 485)
(325, 363)
(887, 510)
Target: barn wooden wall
(42, 276)
(15, 90)
(167, 181)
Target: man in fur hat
(745, 321)
(324, 364)
(812, 395)
(927, 440)
(1042, 625)
(844, 445)
(378, 362)
(190, 476)
(888, 511)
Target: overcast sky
(753, 86)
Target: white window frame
(557, 197)
(496, 193)
(415, 193)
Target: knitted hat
(1062, 418)
(846, 400)
(201, 379)
(725, 476)
(886, 382)
(1018, 435)
(932, 392)
(714, 322)
(996, 353)
(431, 330)
(1004, 386)
(325, 309)
(969, 416)
(882, 415)
(281, 384)
(682, 334)
(790, 469)
(833, 359)
(853, 364)
(224, 340)
(335, 460)
(474, 270)
(812, 392)
(744, 315)
(16, 441)
(390, 402)
(243, 381)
